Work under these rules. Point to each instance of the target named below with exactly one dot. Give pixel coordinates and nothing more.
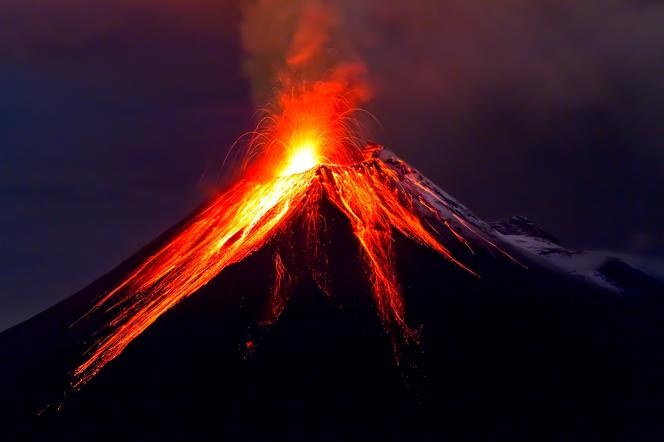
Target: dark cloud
(111, 111)
(546, 108)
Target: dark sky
(113, 110)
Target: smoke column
(299, 41)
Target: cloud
(542, 53)
(550, 109)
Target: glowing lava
(304, 158)
(302, 154)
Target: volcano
(396, 316)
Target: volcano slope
(529, 350)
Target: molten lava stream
(234, 226)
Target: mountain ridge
(518, 353)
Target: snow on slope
(599, 268)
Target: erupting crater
(304, 153)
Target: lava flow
(307, 150)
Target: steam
(299, 41)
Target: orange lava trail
(234, 226)
(463, 223)
(280, 289)
(370, 196)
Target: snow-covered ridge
(598, 268)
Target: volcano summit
(342, 302)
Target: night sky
(116, 115)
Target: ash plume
(299, 41)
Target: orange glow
(303, 158)
(306, 151)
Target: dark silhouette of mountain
(548, 352)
